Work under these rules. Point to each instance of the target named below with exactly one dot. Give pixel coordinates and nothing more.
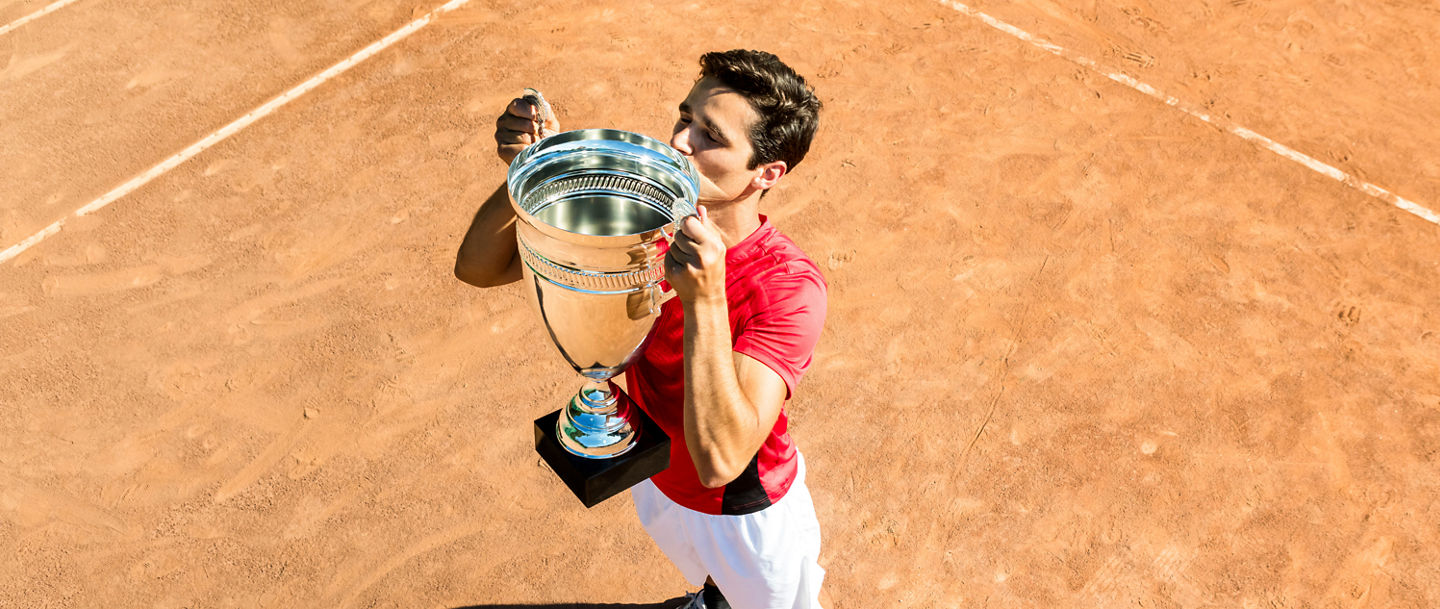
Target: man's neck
(735, 220)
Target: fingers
(523, 108)
(700, 228)
(675, 262)
(684, 248)
(549, 127)
(682, 261)
(522, 115)
(516, 129)
(696, 239)
(542, 113)
(695, 262)
(518, 124)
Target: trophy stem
(596, 424)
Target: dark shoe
(693, 600)
(708, 597)
(713, 598)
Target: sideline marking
(1226, 125)
(54, 6)
(228, 130)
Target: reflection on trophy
(593, 206)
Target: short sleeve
(783, 330)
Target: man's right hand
(520, 126)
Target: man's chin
(713, 200)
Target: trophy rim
(623, 144)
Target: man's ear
(769, 174)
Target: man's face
(713, 131)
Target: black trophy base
(595, 480)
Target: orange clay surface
(1083, 349)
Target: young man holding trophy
(731, 511)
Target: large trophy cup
(593, 207)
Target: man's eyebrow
(716, 132)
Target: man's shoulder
(778, 277)
(788, 259)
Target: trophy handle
(658, 298)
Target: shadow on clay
(674, 602)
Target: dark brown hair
(787, 107)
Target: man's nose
(681, 141)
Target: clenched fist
(695, 263)
(519, 126)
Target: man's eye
(711, 138)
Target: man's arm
(731, 400)
(487, 255)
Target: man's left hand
(695, 264)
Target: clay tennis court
(1084, 348)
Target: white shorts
(764, 560)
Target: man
(732, 511)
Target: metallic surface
(596, 423)
(593, 206)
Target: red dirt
(1083, 349)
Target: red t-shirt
(777, 308)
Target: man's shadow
(674, 602)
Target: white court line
(234, 127)
(1269, 144)
(54, 6)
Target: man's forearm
(719, 419)
(487, 254)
